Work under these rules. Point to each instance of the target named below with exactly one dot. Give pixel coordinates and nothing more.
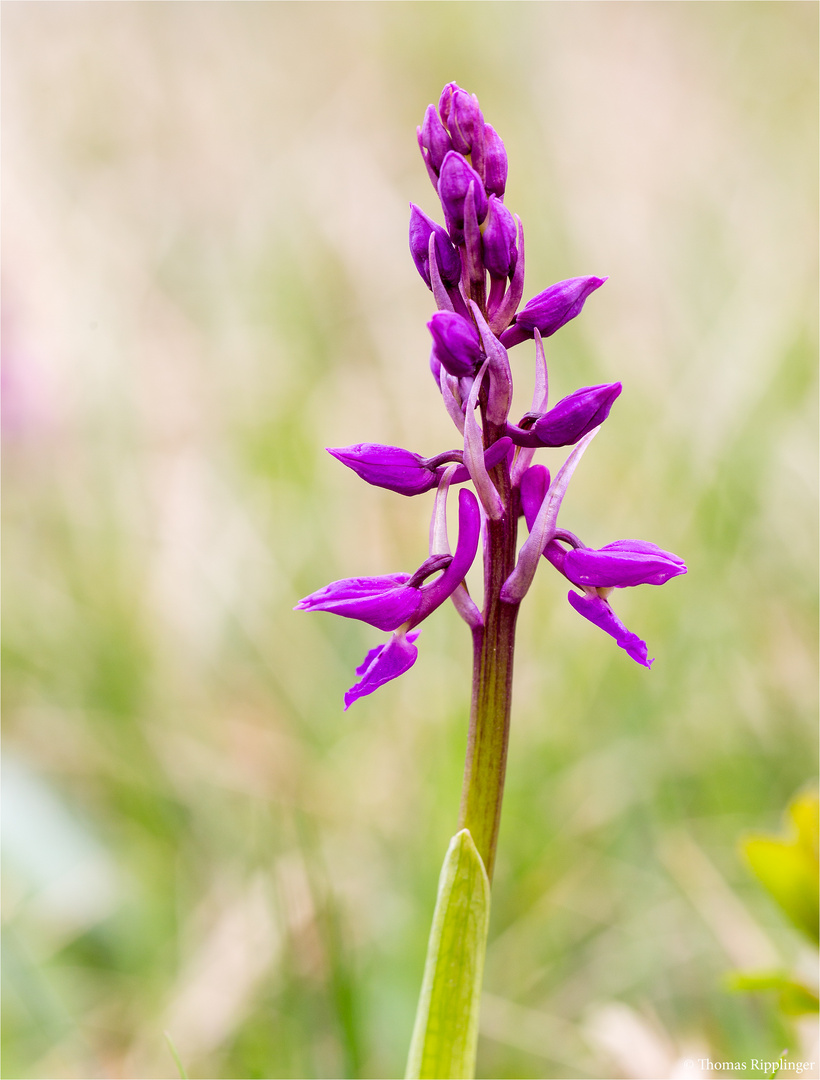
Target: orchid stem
(493, 648)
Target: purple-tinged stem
(493, 648)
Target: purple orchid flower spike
(474, 267)
(551, 309)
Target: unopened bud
(456, 344)
(573, 417)
(434, 141)
(495, 163)
(551, 309)
(462, 117)
(453, 184)
(499, 248)
(449, 263)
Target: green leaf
(175, 1056)
(794, 998)
(788, 867)
(445, 1035)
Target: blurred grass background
(206, 281)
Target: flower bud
(551, 309)
(576, 415)
(434, 141)
(495, 163)
(572, 418)
(456, 344)
(499, 248)
(449, 263)
(462, 117)
(453, 184)
(387, 467)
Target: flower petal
(598, 611)
(382, 664)
(621, 564)
(384, 602)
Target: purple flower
(551, 309)
(387, 467)
(434, 142)
(387, 662)
(495, 163)
(382, 664)
(456, 344)
(570, 419)
(449, 263)
(598, 611)
(390, 601)
(622, 564)
(619, 565)
(498, 245)
(453, 184)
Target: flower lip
(598, 611)
(383, 664)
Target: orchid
(474, 266)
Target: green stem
(493, 647)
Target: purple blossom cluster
(474, 267)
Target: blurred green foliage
(788, 867)
(205, 283)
